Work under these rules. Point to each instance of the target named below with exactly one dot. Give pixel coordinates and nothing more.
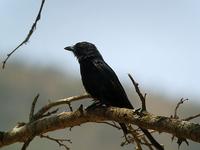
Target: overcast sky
(156, 41)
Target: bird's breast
(90, 78)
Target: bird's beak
(69, 48)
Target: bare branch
(28, 35)
(50, 113)
(142, 98)
(70, 107)
(192, 117)
(68, 100)
(179, 128)
(177, 106)
(33, 108)
(59, 141)
(136, 138)
(111, 124)
(31, 118)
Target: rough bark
(179, 128)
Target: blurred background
(156, 41)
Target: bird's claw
(94, 105)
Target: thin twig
(111, 124)
(128, 140)
(33, 108)
(192, 117)
(68, 100)
(146, 142)
(180, 140)
(50, 113)
(59, 141)
(28, 35)
(177, 106)
(70, 107)
(135, 134)
(142, 98)
(142, 134)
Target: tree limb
(141, 96)
(179, 128)
(68, 100)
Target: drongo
(101, 82)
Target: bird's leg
(94, 105)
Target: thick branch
(179, 128)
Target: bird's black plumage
(101, 82)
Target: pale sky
(156, 41)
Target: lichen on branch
(179, 128)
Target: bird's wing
(111, 84)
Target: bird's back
(103, 84)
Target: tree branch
(177, 106)
(68, 100)
(33, 27)
(192, 117)
(142, 98)
(179, 128)
(58, 141)
(31, 115)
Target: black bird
(101, 82)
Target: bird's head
(84, 50)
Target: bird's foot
(94, 105)
(140, 112)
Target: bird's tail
(148, 135)
(124, 128)
(152, 140)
